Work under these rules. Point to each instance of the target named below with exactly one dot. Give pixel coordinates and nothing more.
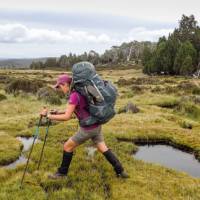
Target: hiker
(77, 104)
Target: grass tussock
(10, 149)
(189, 109)
(166, 102)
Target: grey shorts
(82, 135)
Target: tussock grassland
(162, 117)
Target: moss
(11, 189)
(62, 194)
(10, 149)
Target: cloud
(19, 33)
(142, 33)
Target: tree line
(179, 54)
(126, 52)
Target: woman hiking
(77, 104)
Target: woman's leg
(68, 149)
(98, 139)
(70, 145)
(112, 159)
(101, 146)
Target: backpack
(100, 94)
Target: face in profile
(64, 88)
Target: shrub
(55, 100)
(196, 99)
(147, 81)
(139, 89)
(24, 85)
(167, 89)
(189, 109)
(2, 97)
(187, 86)
(157, 89)
(196, 90)
(4, 79)
(171, 89)
(49, 95)
(168, 81)
(128, 94)
(124, 82)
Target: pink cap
(62, 79)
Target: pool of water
(169, 157)
(27, 142)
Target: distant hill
(19, 63)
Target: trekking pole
(46, 134)
(35, 137)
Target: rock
(129, 108)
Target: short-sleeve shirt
(80, 111)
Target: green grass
(10, 149)
(160, 119)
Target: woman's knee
(70, 145)
(102, 147)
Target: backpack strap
(79, 102)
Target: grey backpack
(100, 94)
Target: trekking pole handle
(35, 135)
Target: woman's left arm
(63, 117)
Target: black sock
(67, 157)
(113, 160)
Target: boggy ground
(169, 112)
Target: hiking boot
(123, 175)
(57, 175)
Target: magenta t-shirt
(81, 113)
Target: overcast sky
(52, 28)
